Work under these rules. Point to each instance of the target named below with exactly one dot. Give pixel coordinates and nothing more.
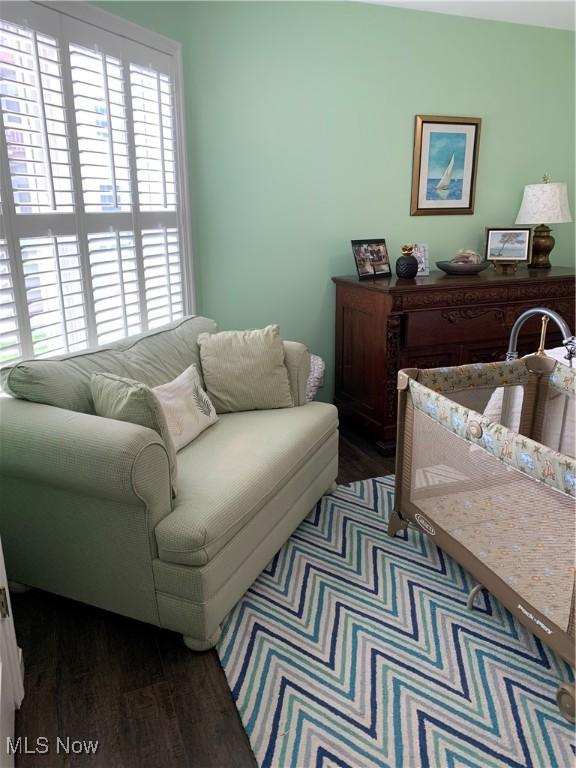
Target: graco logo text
(423, 523)
(42, 745)
(535, 619)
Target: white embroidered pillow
(186, 406)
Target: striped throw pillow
(245, 370)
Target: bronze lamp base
(542, 244)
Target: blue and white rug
(356, 650)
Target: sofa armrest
(297, 359)
(86, 454)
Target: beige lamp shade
(544, 204)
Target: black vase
(407, 267)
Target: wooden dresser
(387, 324)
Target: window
(94, 241)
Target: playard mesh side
(487, 457)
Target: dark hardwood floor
(147, 699)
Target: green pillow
(245, 370)
(128, 400)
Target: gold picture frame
(444, 165)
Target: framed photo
(371, 257)
(511, 244)
(444, 165)
(421, 253)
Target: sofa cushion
(152, 358)
(128, 400)
(230, 471)
(245, 370)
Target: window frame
(17, 226)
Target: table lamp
(544, 202)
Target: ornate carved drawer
(387, 324)
(453, 326)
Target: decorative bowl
(462, 268)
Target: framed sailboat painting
(445, 162)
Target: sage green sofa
(86, 509)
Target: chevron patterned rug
(355, 650)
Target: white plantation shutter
(152, 112)
(116, 294)
(9, 333)
(34, 121)
(162, 275)
(93, 226)
(98, 87)
(54, 294)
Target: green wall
(300, 124)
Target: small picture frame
(371, 257)
(510, 244)
(421, 253)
